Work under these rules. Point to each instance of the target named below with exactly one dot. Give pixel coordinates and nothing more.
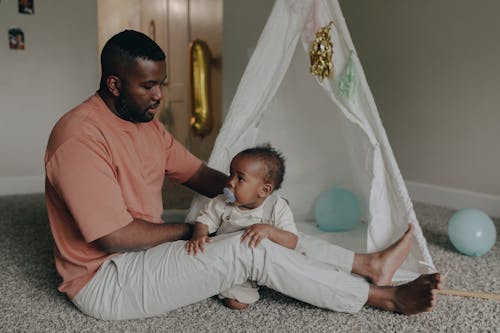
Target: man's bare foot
(411, 298)
(380, 267)
(234, 304)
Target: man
(105, 164)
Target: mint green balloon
(337, 209)
(472, 232)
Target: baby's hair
(272, 159)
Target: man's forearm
(200, 229)
(139, 235)
(207, 181)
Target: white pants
(248, 292)
(164, 278)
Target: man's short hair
(123, 49)
(272, 159)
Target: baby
(248, 204)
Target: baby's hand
(256, 233)
(196, 244)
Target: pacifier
(230, 198)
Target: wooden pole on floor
(468, 294)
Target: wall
(432, 67)
(433, 70)
(57, 70)
(243, 23)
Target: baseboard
(431, 194)
(22, 185)
(454, 198)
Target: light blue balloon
(472, 232)
(337, 209)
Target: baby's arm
(198, 240)
(205, 223)
(282, 230)
(284, 238)
(255, 233)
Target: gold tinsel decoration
(321, 53)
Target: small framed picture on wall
(26, 7)
(16, 38)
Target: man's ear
(114, 85)
(266, 190)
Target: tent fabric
(329, 138)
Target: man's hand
(196, 244)
(255, 233)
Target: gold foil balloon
(200, 60)
(321, 53)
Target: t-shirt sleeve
(210, 214)
(180, 164)
(82, 175)
(284, 217)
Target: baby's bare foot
(385, 263)
(234, 304)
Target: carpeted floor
(30, 302)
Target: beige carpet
(29, 301)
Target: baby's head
(270, 161)
(255, 173)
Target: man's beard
(128, 113)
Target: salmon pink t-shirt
(101, 173)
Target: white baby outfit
(223, 218)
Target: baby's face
(246, 180)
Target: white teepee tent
(328, 129)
